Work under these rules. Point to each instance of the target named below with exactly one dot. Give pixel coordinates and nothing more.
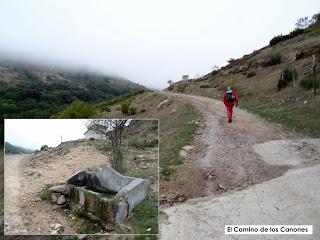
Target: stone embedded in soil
(56, 228)
(187, 148)
(54, 197)
(61, 200)
(183, 153)
(59, 189)
(161, 104)
(182, 198)
(55, 207)
(54, 232)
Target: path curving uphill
(257, 174)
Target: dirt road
(12, 219)
(260, 188)
(25, 177)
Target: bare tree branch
(112, 129)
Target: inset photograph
(79, 176)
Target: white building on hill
(91, 134)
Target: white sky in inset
(33, 133)
(145, 41)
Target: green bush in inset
(45, 194)
(178, 160)
(125, 107)
(165, 170)
(132, 110)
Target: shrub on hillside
(251, 74)
(132, 110)
(44, 148)
(165, 170)
(300, 55)
(214, 72)
(143, 143)
(104, 107)
(181, 88)
(125, 107)
(272, 59)
(78, 109)
(287, 77)
(281, 38)
(307, 83)
(253, 64)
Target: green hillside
(11, 149)
(28, 91)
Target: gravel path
(13, 216)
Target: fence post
(314, 74)
(294, 80)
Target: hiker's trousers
(229, 111)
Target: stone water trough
(105, 196)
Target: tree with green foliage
(316, 18)
(78, 109)
(44, 148)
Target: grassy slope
(295, 109)
(177, 123)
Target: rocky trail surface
(255, 173)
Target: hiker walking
(229, 98)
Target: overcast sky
(145, 41)
(34, 133)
